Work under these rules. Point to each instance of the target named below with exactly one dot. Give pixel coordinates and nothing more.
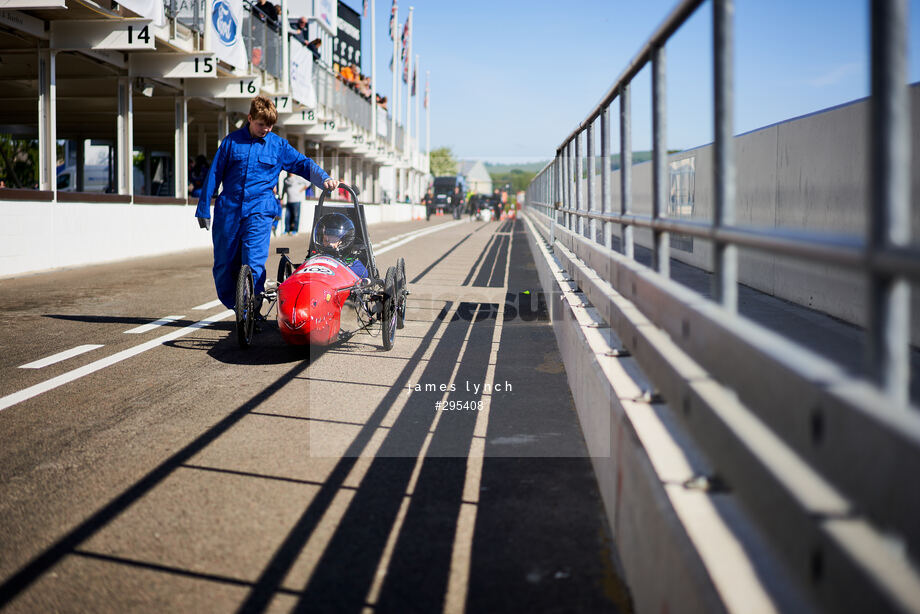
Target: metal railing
(262, 38)
(884, 255)
(189, 13)
(851, 443)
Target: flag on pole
(405, 37)
(365, 8)
(391, 63)
(393, 21)
(405, 76)
(414, 74)
(426, 92)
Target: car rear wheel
(400, 293)
(389, 309)
(245, 307)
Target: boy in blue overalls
(248, 163)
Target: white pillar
(223, 126)
(125, 137)
(180, 153)
(47, 121)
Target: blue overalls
(248, 167)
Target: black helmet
(334, 234)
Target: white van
(95, 178)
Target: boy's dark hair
(263, 108)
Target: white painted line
(210, 305)
(65, 378)
(148, 327)
(416, 236)
(50, 360)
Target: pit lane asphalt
(199, 477)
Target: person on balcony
(266, 11)
(313, 46)
(248, 163)
(299, 29)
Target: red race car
(323, 301)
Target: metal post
(589, 183)
(180, 148)
(564, 186)
(605, 175)
(725, 266)
(47, 120)
(557, 197)
(889, 211)
(659, 161)
(626, 170)
(579, 169)
(125, 137)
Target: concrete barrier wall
(37, 236)
(679, 547)
(810, 173)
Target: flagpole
(394, 92)
(374, 71)
(407, 148)
(418, 132)
(428, 118)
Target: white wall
(810, 174)
(37, 236)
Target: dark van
(443, 188)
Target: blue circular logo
(223, 22)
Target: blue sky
(511, 78)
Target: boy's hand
(331, 184)
(204, 222)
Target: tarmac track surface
(164, 469)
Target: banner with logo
(151, 9)
(225, 34)
(326, 12)
(302, 74)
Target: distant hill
(527, 167)
(535, 167)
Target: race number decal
(318, 268)
(327, 261)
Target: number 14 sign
(123, 34)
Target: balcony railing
(189, 13)
(262, 38)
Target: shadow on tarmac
(539, 539)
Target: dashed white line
(148, 327)
(50, 360)
(210, 305)
(33, 391)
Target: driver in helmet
(334, 235)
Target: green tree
(18, 161)
(443, 162)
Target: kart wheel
(285, 269)
(400, 296)
(245, 307)
(388, 317)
